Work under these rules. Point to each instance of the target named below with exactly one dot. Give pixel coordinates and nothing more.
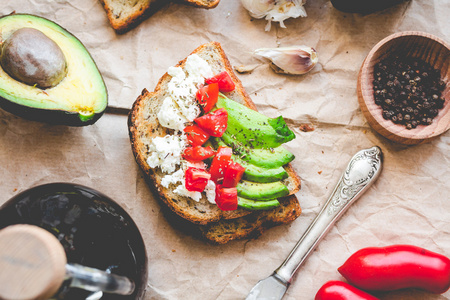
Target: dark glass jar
(363, 6)
(94, 231)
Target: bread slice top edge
(124, 15)
(143, 126)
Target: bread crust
(143, 126)
(124, 15)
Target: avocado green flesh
(81, 92)
(253, 129)
(258, 174)
(266, 158)
(261, 191)
(253, 172)
(257, 205)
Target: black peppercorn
(409, 91)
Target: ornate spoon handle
(361, 172)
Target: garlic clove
(294, 60)
(258, 8)
(275, 10)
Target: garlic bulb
(295, 60)
(275, 10)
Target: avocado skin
(257, 205)
(261, 191)
(252, 129)
(55, 115)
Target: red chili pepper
(226, 198)
(397, 267)
(196, 179)
(214, 123)
(224, 80)
(338, 290)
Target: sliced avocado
(261, 191)
(258, 174)
(269, 158)
(253, 129)
(70, 92)
(257, 205)
(253, 172)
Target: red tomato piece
(207, 96)
(196, 179)
(195, 135)
(397, 267)
(197, 153)
(214, 123)
(226, 198)
(338, 290)
(233, 174)
(224, 80)
(220, 163)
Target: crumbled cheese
(179, 108)
(165, 152)
(210, 191)
(176, 177)
(170, 116)
(181, 105)
(198, 68)
(182, 191)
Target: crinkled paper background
(408, 204)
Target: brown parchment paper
(408, 204)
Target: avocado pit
(29, 56)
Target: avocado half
(79, 99)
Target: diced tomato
(233, 174)
(214, 123)
(207, 96)
(224, 80)
(197, 153)
(195, 135)
(220, 163)
(196, 179)
(226, 198)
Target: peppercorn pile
(409, 90)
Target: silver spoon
(361, 172)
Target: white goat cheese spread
(165, 152)
(180, 108)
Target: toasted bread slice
(144, 126)
(127, 14)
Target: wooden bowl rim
(397, 132)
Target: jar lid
(33, 263)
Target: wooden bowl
(414, 44)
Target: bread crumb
(320, 172)
(173, 250)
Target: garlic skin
(294, 60)
(275, 10)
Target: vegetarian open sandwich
(208, 155)
(124, 15)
